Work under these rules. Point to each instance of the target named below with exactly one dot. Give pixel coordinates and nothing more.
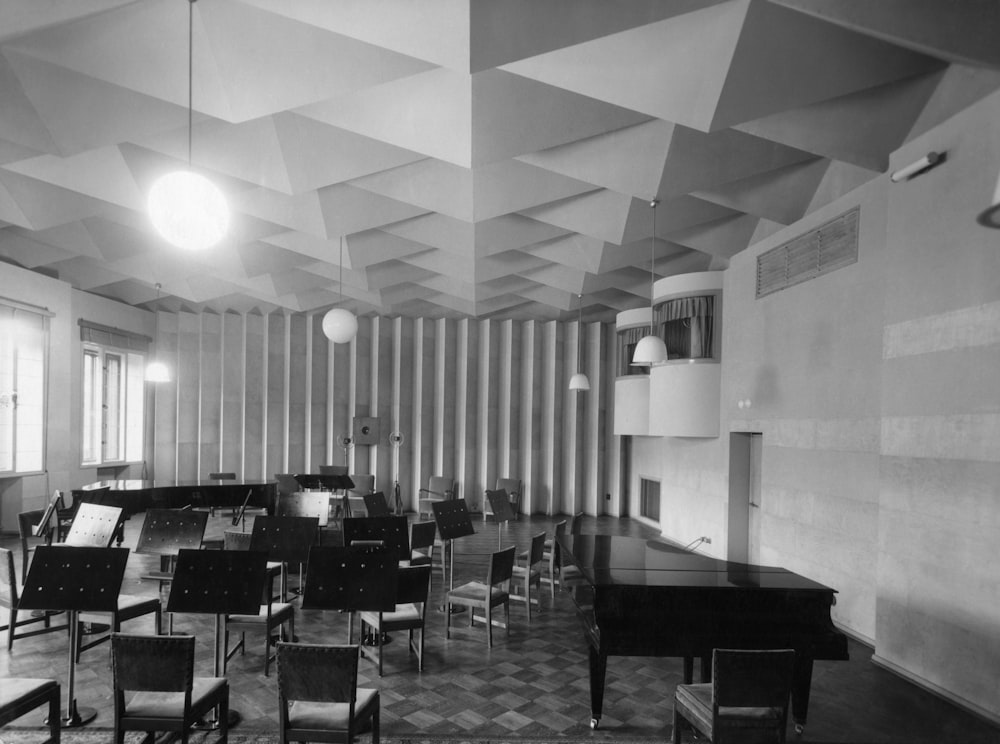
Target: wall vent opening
(829, 247)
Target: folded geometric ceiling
(478, 158)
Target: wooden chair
(423, 540)
(19, 696)
(168, 697)
(363, 484)
(513, 488)
(412, 585)
(9, 599)
(318, 694)
(529, 575)
(270, 616)
(129, 608)
(746, 701)
(550, 556)
(439, 488)
(568, 574)
(33, 529)
(485, 596)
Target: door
(625, 476)
(745, 449)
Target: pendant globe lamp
(157, 371)
(187, 209)
(340, 325)
(579, 380)
(650, 350)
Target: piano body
(139, 495)
(648, 598)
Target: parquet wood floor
(533, 683)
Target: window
(685, 325)
(23, 365)
(627, 339)
(113, 396)
(649, 499)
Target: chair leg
(376, 715)
(677, 727)
(55, 720)
(489, 625)
(224, 719)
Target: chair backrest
(333, 470)
(501, 566)
(413, 584)
(152, 663)
(537, 549)
(234, 540)
(576, 523)
(222, 476)
(443, 486)
(560, 529)
(286, 484)
(318, 673)
(422, 535)
(94, 525)
(27, 522)
(8, 580)
(752, 679)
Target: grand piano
(139, 495)
(648, 598)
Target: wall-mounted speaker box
(365, 430)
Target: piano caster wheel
(594, 722)
(799, 728)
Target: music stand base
(233, 718)
(369, 639)
(455, 609)
(77, 717)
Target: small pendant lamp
(340, 325)
(579, 380)
(156, 371)
(650, 350)
(187, 209)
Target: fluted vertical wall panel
(472, 399)
(232, 372)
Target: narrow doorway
(625, 476)
(745, 452)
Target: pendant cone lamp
(579, 380)
(187, 209)
(156, 371)
(651, 349)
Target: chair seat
(278, 609)
(129, 607)
(309, 715)
(476, 591)
(403, 615)
(14, 691)
(520, 571)
(171, 704)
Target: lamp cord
(652, 266)
(190, 74)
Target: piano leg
(801, 685)
(598, 671)
(688, 670)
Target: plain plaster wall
(877, 393)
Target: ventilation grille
(827, 248)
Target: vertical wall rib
(472, 399)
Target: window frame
(14, 397)
(130, 401)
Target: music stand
(393, 532)
(164, 532)
(220, 583)
(351, 579)
(453, 521)
(376, 505)
(286, 539)
(323, 482)
(503, 512)
(75, 580)
(95, 526)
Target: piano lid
(631, 561)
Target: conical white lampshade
(649, 351)
(579, 381)
(340, 325)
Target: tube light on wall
(917, 167)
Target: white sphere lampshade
(649, 351)
(157, 372)
(340, 325)
(188, 210)
(579, 381)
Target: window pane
(91, 407)
(134, 408)
(6, 388)
(113, 409)
(30, 386)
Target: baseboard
(855, 635)
(934, 689)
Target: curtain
(627, 339)
(686, 326)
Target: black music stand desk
(351, 579)
(285, 539)
(74, 579)
(503, 512)
(453, 521)
(220, 583)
